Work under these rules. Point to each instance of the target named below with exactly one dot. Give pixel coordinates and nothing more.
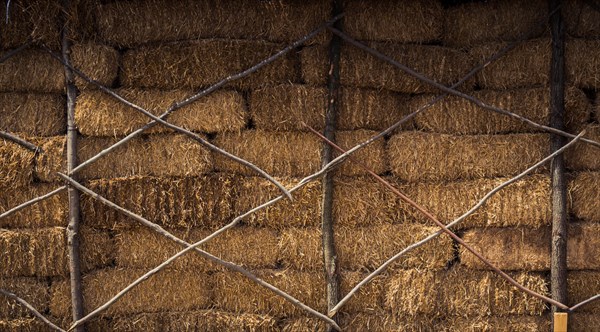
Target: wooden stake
(560, 321)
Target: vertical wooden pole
(73, 194)
(329, 252)
(559, 201)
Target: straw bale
(583, 193)
(280, 154)
(472, 23)
(375, 321)
(98, 249)
(416, 156)
(33, 114)
(16, 165)
(582, 285)
(461, 292)
(30, 19)
(170, 202)
(582, 62)
(366, 248)
(238, 294)
(529, 249)
(23, 325)
(585, 157)
(414, 21)
(500, 324)
(168, 289)
(584, 322)
(129, 23)
(197, 64)
(32, 70)
(154, 155)
(98, 62)
(47, 213)
(525, 203)
(358, 68)
(99, 114)
(54, 158)
(527, 65)
(372, 156)
(31, 290)
(455, 115)
(369, 299)
(248, 246)
(581, 20)
(361, 201)
(304, 210)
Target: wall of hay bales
(155, 53)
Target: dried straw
(584, 322)
(581, 20)
(365, 248)
(416, 156)
(47, 213)
(415, 21)
(23, 325)
(33, 114)
(181, 289)
(16, 165)
(99, 114)
(247, 246)
(132, 23)
(279, 154)
(30, 19)
(455, 115)
(359, 201)
(582, 62)
(195, 64)
(583, 193)
(581, 285)
(32, 71)
(583, 246)
(472, 23)
(98, 62)
(31, 290)
(373, 321)
(357, 68)
(584, 157)
(174, 203)
(304, 210)
(500, 324)
(373, 156)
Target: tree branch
(31, 202)
(20, 141)
(30, 308)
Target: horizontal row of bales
(446, 159)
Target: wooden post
(329, 252)
(73, 194)
(558, 270)
(560, 322)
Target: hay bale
(130, 23)
(581, 20)
(168, 289)
(582, 285)
(449, 200)
(527, 65)
(461, 292)
(583, 246)
(23, 325)
(99, 114)
(47, 213)
(173, 203)
(414, 21)
(304, 210)
(472, 23)
(500, 324)
(98, 62)
(235, 293)
(584, 322)
(365, 248)
(31, 19)
(361, 201)
(582, 63)
(375, 321)
(144, 156)
(54, 158)
(31, 290)
(98, 249)
(369, 299)
(197, 64)
(360, 69)
(583, 194)
(247, 246)
(416, 156)
(33, 114)
(16, 165)
(372, 156)
(584, 157)
(32, 70)
(280, 154)
(455, 115)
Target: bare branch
(15, 51)
(31, 202)
(445, 228)
(582, 303)
(30, 308)
(188, 246)
(20, 141)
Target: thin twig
(20, 141)
(31, 202)
(188, 246)
(582, 303)
(15, 51)
(452, 91)
(30, 308)
(445, 228)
